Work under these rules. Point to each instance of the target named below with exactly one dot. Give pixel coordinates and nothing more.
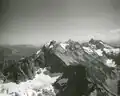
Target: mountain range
(66, 69)
(15, 52)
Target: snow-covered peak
(100, 44)
(50, 44)
(47, 44)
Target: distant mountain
(84, 69)
(116, 43)
(15, 52)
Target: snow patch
(49, 44)
(38, 51)
(107, 46)
(99, 52)
(113, 51)
(31, 93)
(88, 50)
(110, 63)
(92, 46)
(63, 45)
(1, 94)
(116, 51)
(106, 50)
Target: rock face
(87, 69)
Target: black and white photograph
(59, 47)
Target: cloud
(115, 31)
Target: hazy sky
(38, 21)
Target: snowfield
(28, 88)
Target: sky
(38, 21)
